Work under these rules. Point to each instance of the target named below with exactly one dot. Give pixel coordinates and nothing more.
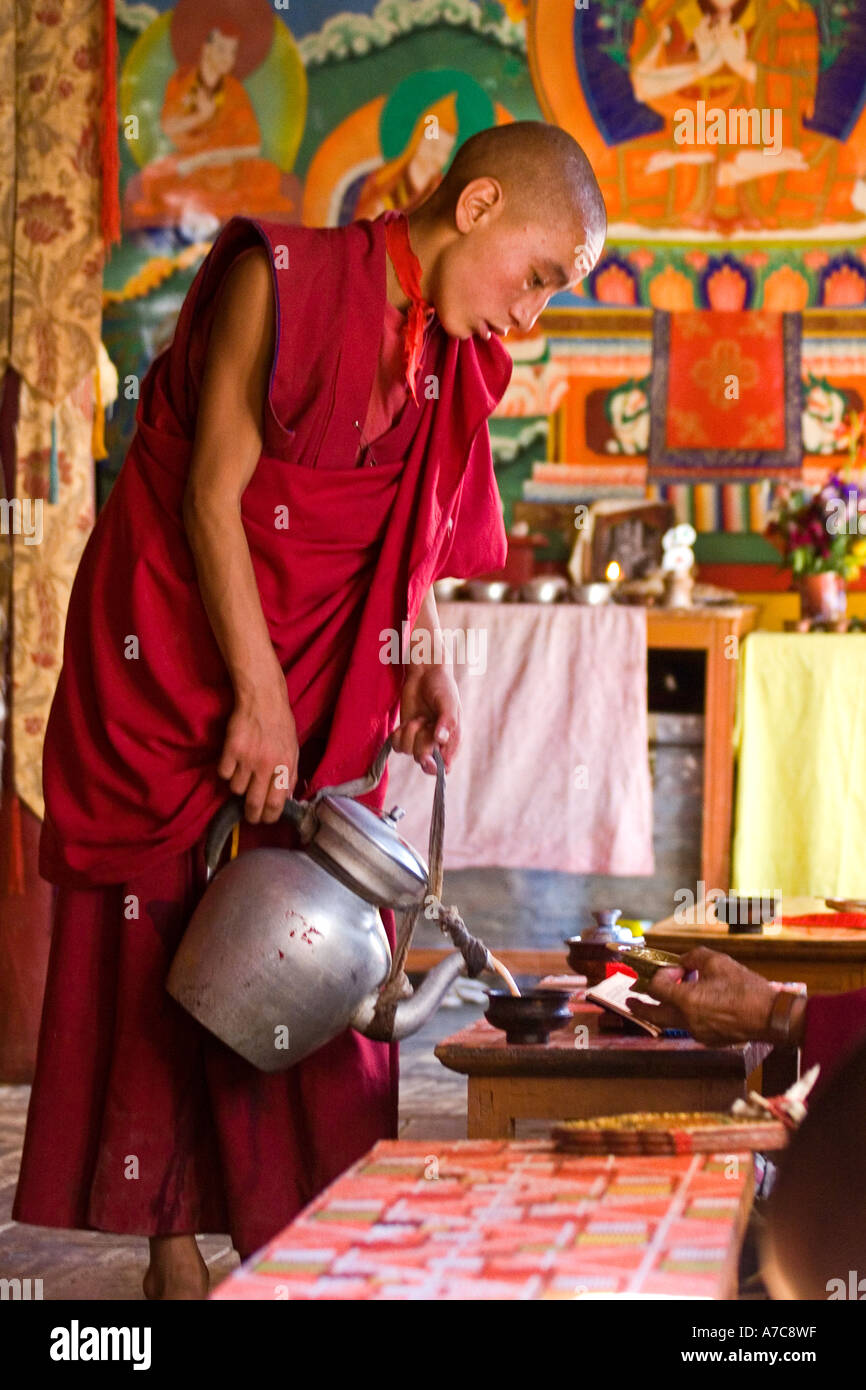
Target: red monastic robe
(835, 1025)
(140, 1121)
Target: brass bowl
(591, 594)
(544, 588)
(487, 591)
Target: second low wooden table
(605, 1074)
(828, 959)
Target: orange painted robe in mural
(217, 167)
(391, 186)
(786, 46)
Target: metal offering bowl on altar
(530, 1017)
(744, 916)
(544, 588)
(593, 594)
(487, 591)
(447, 589)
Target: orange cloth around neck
(408, 271)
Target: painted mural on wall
(309, 112)
(729, 137)
(721, 115)
(616, 420)
(219, 100)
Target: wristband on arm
(780, 1018)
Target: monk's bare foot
(176, 1269)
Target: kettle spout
(411, 1014)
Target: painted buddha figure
(406, 181)
(217, 166)
(761, 54)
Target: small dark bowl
(532, 1017)
(744, 916)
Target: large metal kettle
(286, 947)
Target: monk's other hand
(430, 716)
(260, 755)
(722, 1003)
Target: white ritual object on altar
(678, 562)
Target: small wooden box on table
(605, 1074)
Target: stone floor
(89, 1265)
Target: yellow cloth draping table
(800, 810)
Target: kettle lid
(365, 845)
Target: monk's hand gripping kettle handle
(302, 814)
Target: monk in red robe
(311, 454)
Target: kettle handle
(300, 813)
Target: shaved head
(518, 217)
(544, 174)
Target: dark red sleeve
(478, 543)
(834, 1024)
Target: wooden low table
(828, 960)
(503, 1221)
(610, 1074)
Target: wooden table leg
(487, 1114)
(719, 710)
